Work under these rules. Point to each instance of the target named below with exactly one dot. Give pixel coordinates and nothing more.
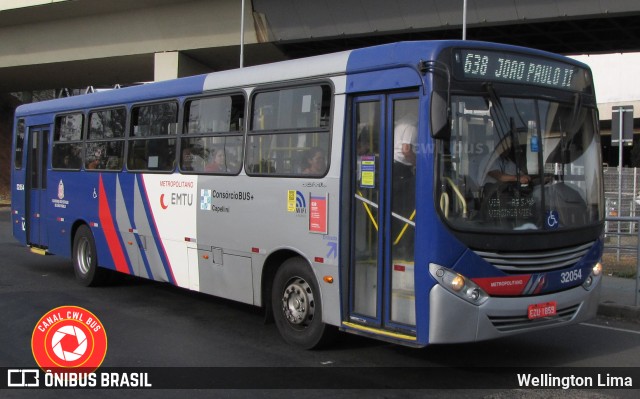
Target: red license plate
(540, 310)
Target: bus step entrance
(38, 251)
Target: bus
(416, 192)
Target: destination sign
(518, 68)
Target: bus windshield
(514, 164)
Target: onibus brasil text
(67, 379)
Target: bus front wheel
(85, 259)
(297, 307)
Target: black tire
(85, 259)
(297, 307)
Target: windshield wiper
(499, 115)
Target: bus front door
(381, 275)
(36, 185)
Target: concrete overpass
(61, 43)
(54, 44)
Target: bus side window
(67, 142)
(286, 126)
(17, 159)
(104, 149)
(137, 154)
(212, 136)
(152, 143)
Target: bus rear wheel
(85, 259)
(297, 307)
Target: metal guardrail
(619, 247)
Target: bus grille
(515, 323)
(539, 261)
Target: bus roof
(146, 92)
(346, 62)
(310, 67)
(412, 51)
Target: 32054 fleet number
(570, 276)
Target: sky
(616, 76)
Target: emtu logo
(179, 199)
(69, 337)
(162, 203)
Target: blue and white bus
(417, 192)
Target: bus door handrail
(406, 221)
(366, 203)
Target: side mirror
(440, 116)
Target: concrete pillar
(174, 64)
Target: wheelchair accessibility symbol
(553, 220)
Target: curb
(630, 313)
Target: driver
(504, 170)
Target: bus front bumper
(453, 319)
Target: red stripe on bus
(110, 232)
(166, 263)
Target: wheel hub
(298, 302)
(84, 256)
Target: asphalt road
(155, 325)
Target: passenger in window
(405, 135)
(96, 162)
(217, 161)
(316, 162)
(191, 161)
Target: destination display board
(517, 68)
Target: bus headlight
(597, 269)
(458, 284)
(593, 277)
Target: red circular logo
(69, 337)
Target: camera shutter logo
(69, 337)
(76, 343)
